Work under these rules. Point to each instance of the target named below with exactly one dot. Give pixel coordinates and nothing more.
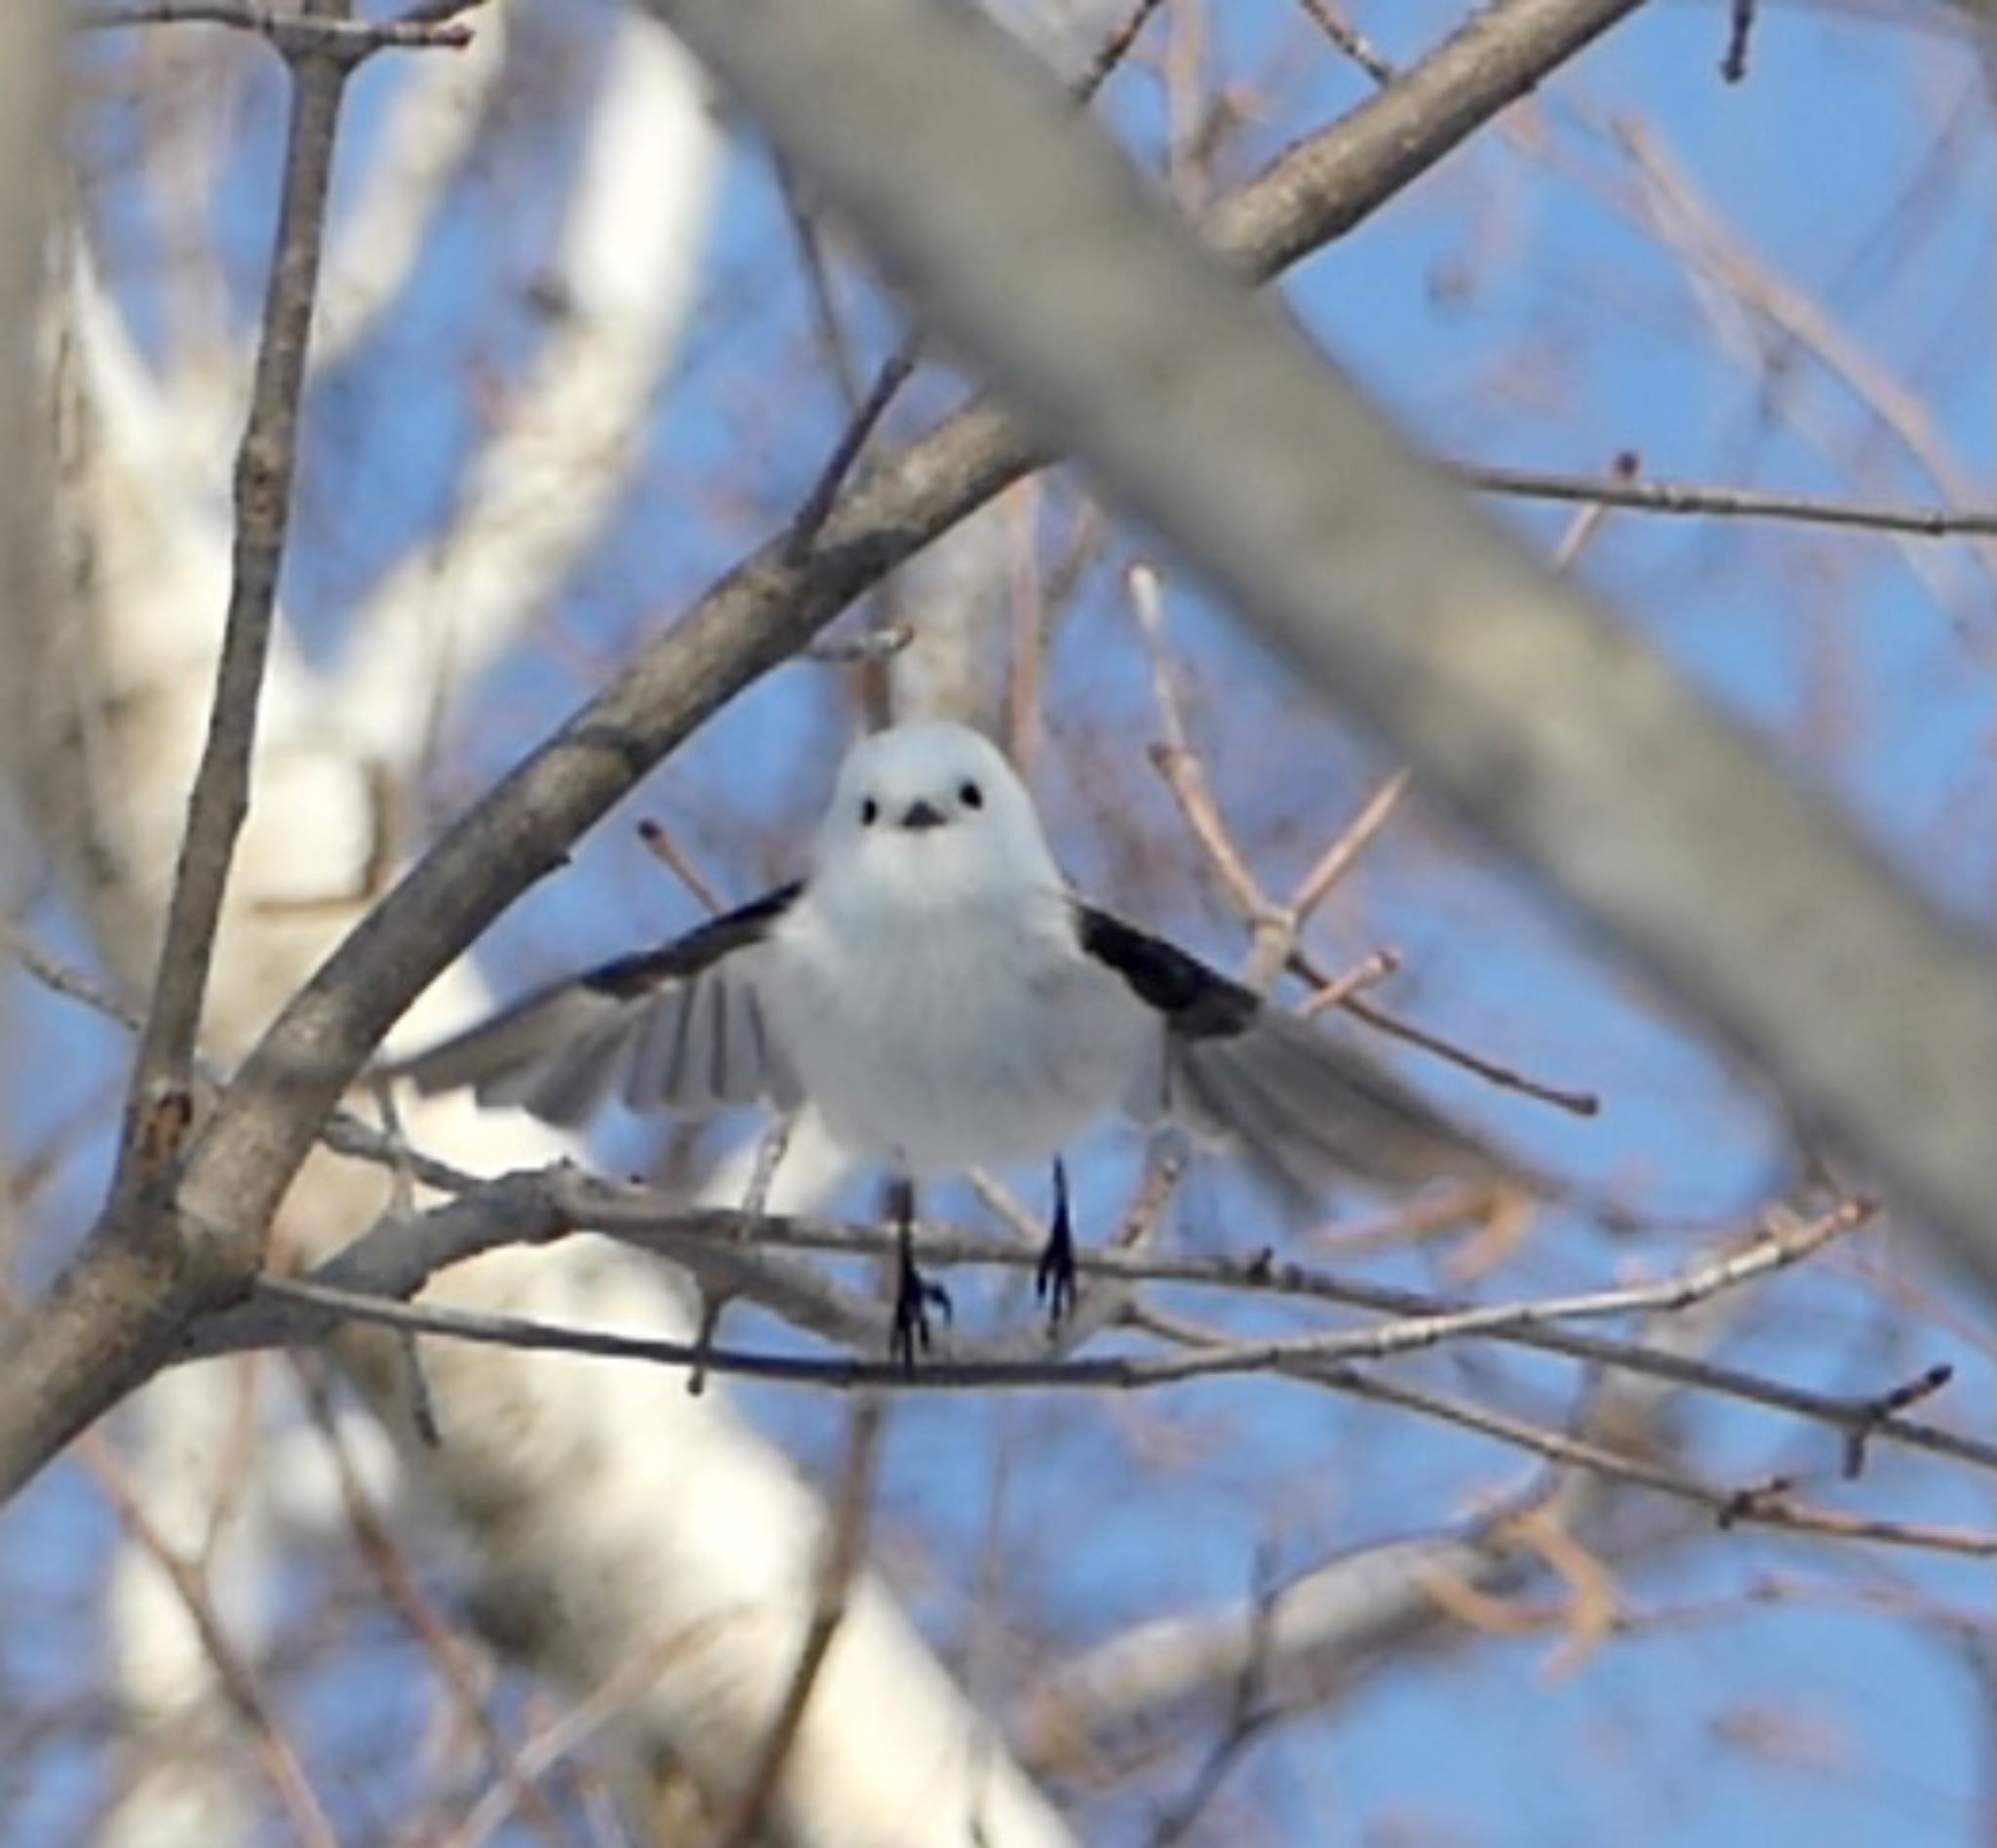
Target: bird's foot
(1054, 1277)
(914, 1297)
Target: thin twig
(1765, 1503)
(671, 855)
(281, 1762)
(543, 1750)
(397, 1260)
(1329, 991)
(1576, 1103)
(1321, 1360)
(1250, 1712)
(1113, 50)
(1739, 503)
(342, 1132)
(845, 1545)
(62, 978)
(455, 1664)
(1739, 29)
(1681, 216)
(1376, 967)
(1184, 775)
(811, 517)
(1276, 926)
(158, 1107)
(1350, 41)
(1582, 531)
(1343, 854)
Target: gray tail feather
(1310, 1113)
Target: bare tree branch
(754, 618)
(264, 468)
(1709, 500)
(1029, 238)
(143, 1268)
(738, 1254)
(1322, 1360)
(648, 1558)
(842, 1553)
(1311, 1639)
(239, 1678)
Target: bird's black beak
(922, 815)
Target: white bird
(940, 993)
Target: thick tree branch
(1030, 239)
(147, 1266)
(776, 601)
(750, 621)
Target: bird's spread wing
(679, 1027)
(1308, 1110)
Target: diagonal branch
(219, 801)
(557, 462)
(1669, 827)
(754, 618)
(143, 1271)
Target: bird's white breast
(953, 1038)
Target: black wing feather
(1199, 1003)
(1307, 1108)
(631, 976)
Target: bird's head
(931, 816)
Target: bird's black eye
(971, 796)
(870, 812)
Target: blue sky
(1508, 309)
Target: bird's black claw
(914, 1297)
(1054, 1275)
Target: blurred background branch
(1672, 1474)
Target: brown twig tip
(1750, 1500)
(1113, 50)
(1875, 1413)
(1575, 1103)
(667, 851)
